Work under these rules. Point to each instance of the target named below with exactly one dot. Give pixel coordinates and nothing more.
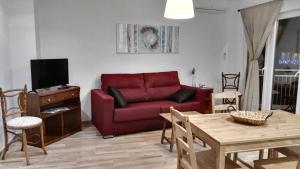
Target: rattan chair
(187, 158)
(13, 106)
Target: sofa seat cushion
(151, 110)
(186, 106)
(136, 111)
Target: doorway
(279, 82)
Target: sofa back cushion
(130, 85)
(161, 85)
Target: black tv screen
(47, 73)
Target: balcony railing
(285, 87)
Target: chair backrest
(184, 140)
(230, 81)
(19, 95)
(231, 105)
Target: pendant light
(179, 9)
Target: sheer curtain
(258, 23)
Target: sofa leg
(108, 136)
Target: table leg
(163, 132)
(220, 162)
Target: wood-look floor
(87, 149)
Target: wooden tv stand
(60, 110)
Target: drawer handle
(73, 94)
(49, 100)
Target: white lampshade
(179, 9)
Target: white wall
(22, 43)
(17, 45)
(5, 81)
(85, 32)
(5, 77)
(232, 60)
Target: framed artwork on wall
(135, 38)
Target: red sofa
(146, 95)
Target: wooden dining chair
(170, 140)
(227, 106)
(230, 82)
(13, 106)
(187, 158)
(278, 163)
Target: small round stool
(23, 123)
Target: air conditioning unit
(211, 6)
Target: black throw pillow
(118, 97)
(182, 95)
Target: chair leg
(204, 144)
(4, 152)
(235, 157)
(25, 146)
(178, 164)
(172, 141)
(22, 148)
(42, 139)
(275, 153)
(261, 154)
(5, 145)
(270, 153)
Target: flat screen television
(47, 73)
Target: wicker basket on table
(257, 118)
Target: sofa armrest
(102, 112)
(203, 95)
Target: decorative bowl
(257, 118)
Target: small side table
(167, 119)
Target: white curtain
(258, 23)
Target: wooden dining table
(226, 136)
